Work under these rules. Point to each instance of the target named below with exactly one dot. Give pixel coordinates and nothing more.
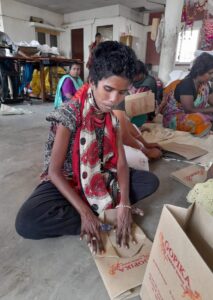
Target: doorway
(77, 46)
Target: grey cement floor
(61, 268)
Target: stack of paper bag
(122, 269)
(191, 175)
(181, 261)
(139, 104)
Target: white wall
(1, 19)
(130, 14)
(89, 27)
(97, 13)
(15, 16)
(16, 19)
(139, 35)
(88, 20)
(111, 15)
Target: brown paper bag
(191, 175)
(122, 269)
(182, 150)
(139, 104)
(181, 260)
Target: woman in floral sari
(190, 106)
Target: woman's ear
(92, 84)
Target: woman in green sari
(68, 85)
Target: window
(41, 38)
(187, 45)
(53, 40)
(46, 36)
(106, 32)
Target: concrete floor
(61, 268)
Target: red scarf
(86, 161)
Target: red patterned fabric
(86, 162)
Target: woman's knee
(143, 184)
(154, 182)
(23, 223)
(26, 224)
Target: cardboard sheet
(140, 103)
(191, 175)
(122, 269)
(182, 151)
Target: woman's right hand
(90, 227)
(153, 153)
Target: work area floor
(60, 268)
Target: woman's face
(75, 70)
(110, 92)
(208, 76)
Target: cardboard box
(121, 269)
(139, 104)
(181, 261)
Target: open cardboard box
(181, 260)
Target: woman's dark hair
(111, 58)
(141, 68)
(75, 63)
(98, 34)
(202, 64)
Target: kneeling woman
(85, 166)
(190, 107)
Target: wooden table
(41, 63)
(13, 72)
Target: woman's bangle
(123, 205)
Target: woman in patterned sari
(190, 106)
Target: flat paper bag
(181, 260)
(139, 104)
(183, 150)
(122, 269)
(191, 175)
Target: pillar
(173, 12)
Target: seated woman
(190, 107)
(68, 85)
(143, 82)
(85, 169)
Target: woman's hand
(124, 223)
(152, 145)
(90, 226)
(152, 153)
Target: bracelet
(123, 205)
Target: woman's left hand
(124, 223)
